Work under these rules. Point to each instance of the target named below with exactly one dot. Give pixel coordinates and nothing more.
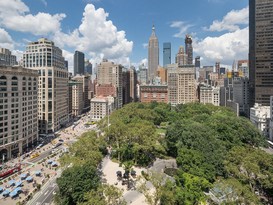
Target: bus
(270, 144)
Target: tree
(75, 182)
(104, 195)
(234, 192)
(88, 149)
(251, 166)
(190, 189)
(153, 189)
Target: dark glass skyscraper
(78, 63)
(167, 54)
(260, 51)
(188, 49)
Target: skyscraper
(45, 57)
(78, 63)
(153, 56)
(167, 55)
(260, 51)
(188, 49)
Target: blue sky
(119, 29)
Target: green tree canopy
(75, 182)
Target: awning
(19, 183)
(6, 192)
(11, 182)
(29, 178)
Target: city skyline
(124, 40)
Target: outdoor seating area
(13, 188)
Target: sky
(119, 30)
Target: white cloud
(144, 62)
(225, 48)
(232, 21)
(145, 45)
(18, 54)
(6, 40)
(97, 37)
(183, 28)
(70, 58)
(14, 15)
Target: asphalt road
(46, 196)
(42, 155)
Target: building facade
(243, 67)
(260, 51)
(79, 63)
(271, 120)
(241, 95)
(153, 93)
(47, 59)
(209, 95)
(260, 117)
(110, 73)
(133, 84)
(162, 74)
(143, 75)
(18, 110)
(101, 107)
(186, 85)
(6, 58)
(153, 56)
(167, 54)
(77, 98)
(84, 80)
(181, 57)
(88, 67)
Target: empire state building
(153, 56)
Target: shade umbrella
(13, 193)
(54, 164)
(19, 183)
(23, 176)
(11, 182)
(38, 172)
(18, 189)
(29, 178)
(6, 192)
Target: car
(54, 192)
(61, 140)
(34, 155)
